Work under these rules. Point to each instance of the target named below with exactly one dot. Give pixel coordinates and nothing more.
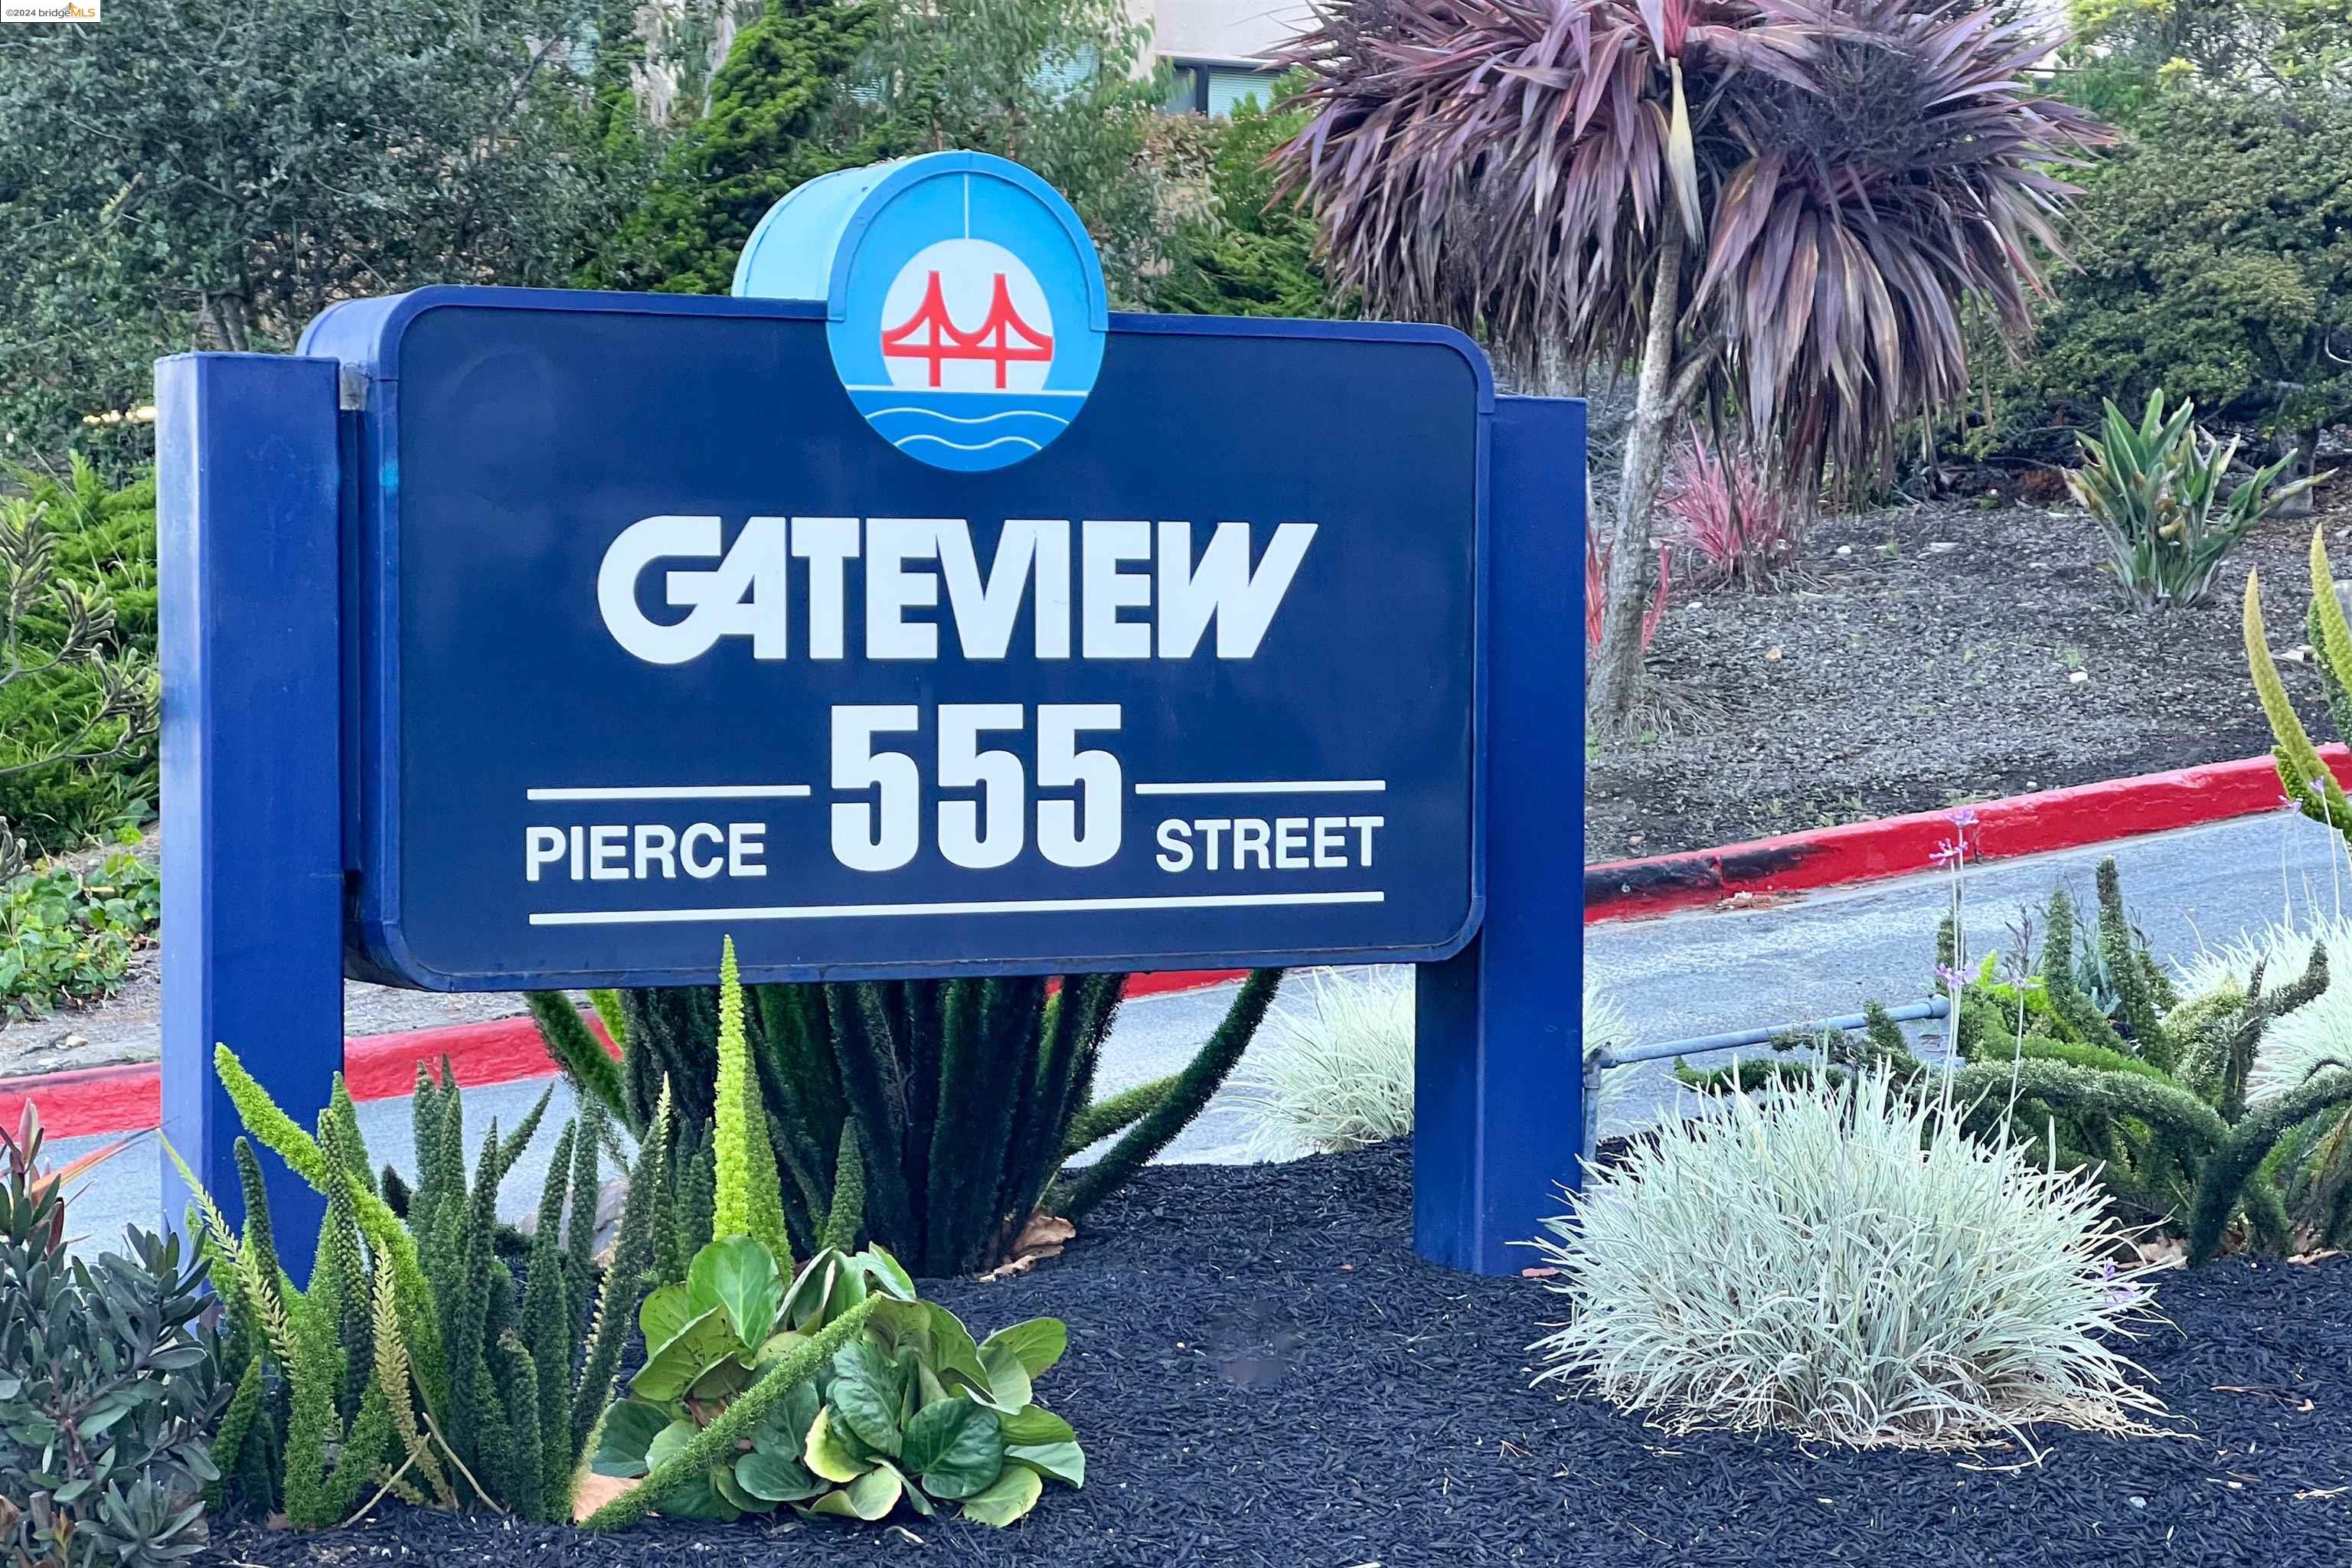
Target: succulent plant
(841, 1392)
(907, 1408)
(109, 1383)
(2154, 488)
(957, 1101)
(414, 1363)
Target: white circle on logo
(966, 315)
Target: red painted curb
(1902, 846)
(128, 1099)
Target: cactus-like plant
(2310, 785)
(746, 1198)
(954, 1102)
(2153, 1097)
(414, 1363)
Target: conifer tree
(778, 117)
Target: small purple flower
(1964, 818)
(2114, 1294)
(1951, 977)
(1950, 851)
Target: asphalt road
(1680, 976)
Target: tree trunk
(1614, 679)
(220, 324)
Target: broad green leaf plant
(840, 1394)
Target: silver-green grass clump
(1836, 1258)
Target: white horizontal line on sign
(976, 907)
(675, 792)
(1270, 786)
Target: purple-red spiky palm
(1816, 186)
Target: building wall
(1220, 30)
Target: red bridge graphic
(932, 336)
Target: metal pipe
(1600, 1061)
(1909, 1013)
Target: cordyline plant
(1781, 206)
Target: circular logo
(965, 304)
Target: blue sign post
(909, 614)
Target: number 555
(989, 829)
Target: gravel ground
(1263, 1375)
(1925, 655)
(127, 1026)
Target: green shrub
(958, 1100)
(775, 105)
(108, 1385)
(66, 936)
(1838, 1260)
(1252, 253)
(415, 1363)
(75, 722)
(2156, 490)
(2213, 258)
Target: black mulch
(1263, 1374)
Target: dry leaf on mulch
(1044, 1237)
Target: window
(1205, 87)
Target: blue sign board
(672, 627)
(909, 614)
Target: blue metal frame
(248, 578)
(366, 334)
(1498, 1039)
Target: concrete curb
(1904, 846)
(128, 1099)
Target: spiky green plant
(2153, 1099)
(954, 1102)
(746, 1199)
(414, 1363)
(2155, 491)
(2310, 785)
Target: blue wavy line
(905, 441)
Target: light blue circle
(947, 372)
